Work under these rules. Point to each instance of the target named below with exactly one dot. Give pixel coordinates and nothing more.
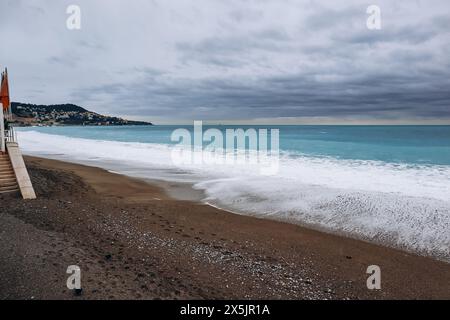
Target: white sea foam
(399, 205)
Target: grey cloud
(296, 96)
(234, 60)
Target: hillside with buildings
(25, 114)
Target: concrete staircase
(8, 181)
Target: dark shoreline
(132, 241)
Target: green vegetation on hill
(26, 114)
(47, 108)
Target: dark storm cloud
(237, 59)
(378, 96)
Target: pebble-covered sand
(132, 241)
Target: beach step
(7, 174)
(8, 181)
(14, 189)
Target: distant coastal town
(25, 114)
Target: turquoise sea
(396, 144)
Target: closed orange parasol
(4, 91)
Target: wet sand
(133, 241)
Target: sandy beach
(132, 241)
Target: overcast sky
(208, 59)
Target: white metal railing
(6, 135)
(10, 135)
